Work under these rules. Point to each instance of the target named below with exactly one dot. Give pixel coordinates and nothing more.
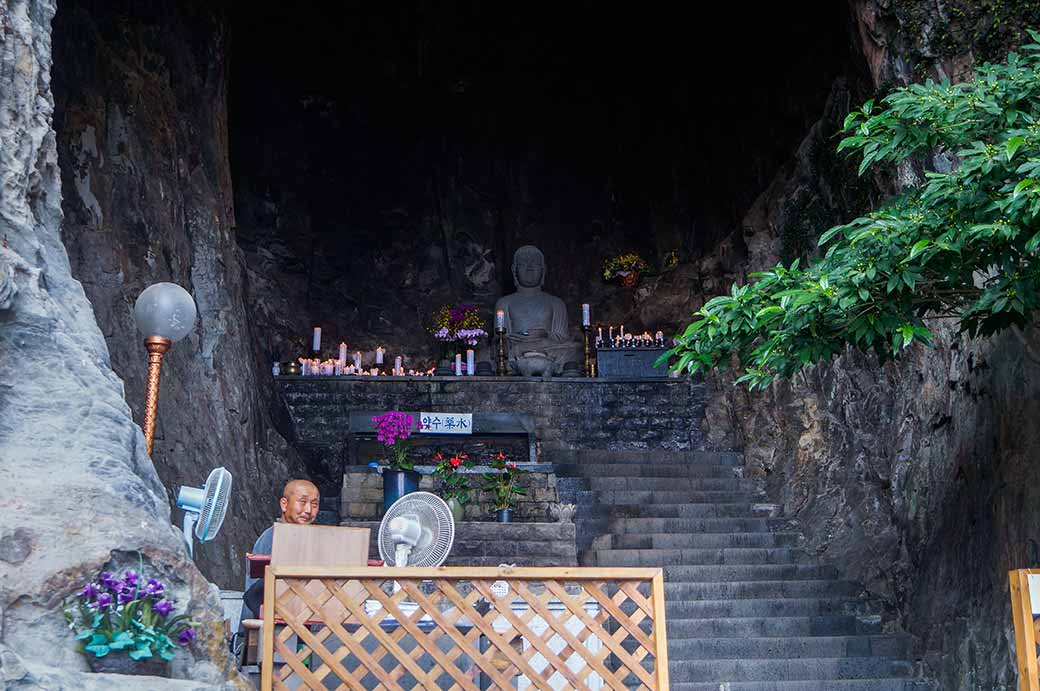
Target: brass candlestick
(587, 331)
(501, 367)
(156, 347)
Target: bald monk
(299, 503)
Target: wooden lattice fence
(464, 629)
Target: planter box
(637, 363)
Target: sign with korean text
(445, 423)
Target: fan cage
(214, 508)
(434, 515)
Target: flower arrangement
(392, 430)
(458, 323)
(116, 614)
(453, 484)
(502, 484)
(624, 265)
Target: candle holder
(587, 332)
(501, 365)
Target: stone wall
(362, 495)
(491, 544)
(141, 118)
(568, 414)
(78, 491)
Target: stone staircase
(747, 610)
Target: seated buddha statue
(535, 321)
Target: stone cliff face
(917, 476)
(142, 145)
(78, 490)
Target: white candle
(316, 341)
(305, 369)
(611, 332)
(458, 364)
(379, 355)
(471, 366)
(586, 317)
(622, 331)
(375, 372)
(599, 333)
(398, 367)
(357, 360)
(500, 319)
(343, 354)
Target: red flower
(455, 462)
(500, 456)
(511, 466)
(463, 456)
(438, 456)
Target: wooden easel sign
(1025, 610)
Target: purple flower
(163, 607)
(103, 601)
(110, 581)
(130, 578)
(126, 597)
(90, 591)
(187, 636)
(154, 587)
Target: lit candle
(471, 367)
(458, 364)
(357, 360)
(599, 332)
(622, 331)
(500, 319)
(375, 372)
(610, 331)
(586, 317)
(343, 354)
(379, 355)
(398, 368)
(316, 341)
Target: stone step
(678, 592)
(788, 647)
(772, 627)
(749, 572)
(808, 669)
(641, 457)
(674, 497)
(892, 684)
(680, 510)
(623, 526)
(765, 607)
(649, 470)
(672, 484)
(729, 555)
(704, 540)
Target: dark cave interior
(389, 159)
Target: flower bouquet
(117, 615)
(503, 486)
(626, 268)
(454, 485)
(458, 324)
(399, 478)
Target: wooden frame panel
(560, 628)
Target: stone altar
(538, 338)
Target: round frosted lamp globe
(165, 310)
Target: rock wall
(78, 490)
(141, 117)
(917, 476)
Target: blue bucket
(397, 483)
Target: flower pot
(118, 663)
(504, 515)
(457, 509)
(629, 279)
(397, 483)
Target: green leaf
(919, 247)
(141, 653)
(1022, 186)
(1013, 145)
(122, 640)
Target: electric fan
(204, 507)
(417, 530)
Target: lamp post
(165, 313)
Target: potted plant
(455, 326)
(125, 625)
(454, 485)
(399, 477)
(502, 484)
(625, 268)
